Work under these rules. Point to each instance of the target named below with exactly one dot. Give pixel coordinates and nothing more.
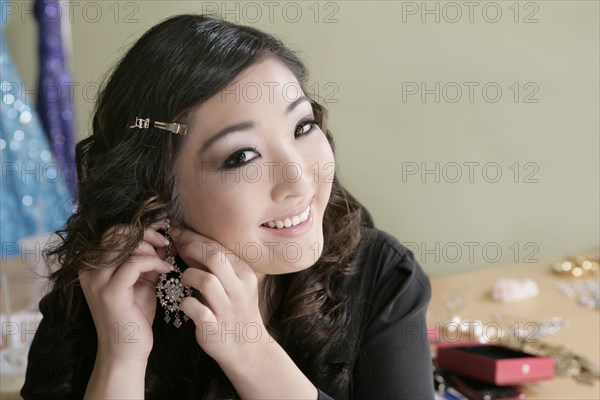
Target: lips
(291, 219)
(289, 222)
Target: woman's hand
(122, 298)
(229, 326)
(226, 314)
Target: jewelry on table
(507, 290)
(577, 266)
(566, 362)
(448, 306)
(587, 292)
(169, 289)
(526, 330)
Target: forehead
(267, 86)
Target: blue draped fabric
(55, 97)
(33, 197)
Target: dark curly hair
(129, 179)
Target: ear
(180, 222)
(175, 222)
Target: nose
(291, 177)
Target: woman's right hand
(122, 298)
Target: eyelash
(230, 161)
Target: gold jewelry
(577, 266)
(566, 362)
(169, 289)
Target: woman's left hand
(227, 316)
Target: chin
(285, 268)
(301, 265)
(295, 259)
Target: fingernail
(174, 231)
(170, 266)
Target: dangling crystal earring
(169, 289)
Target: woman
(295, 294)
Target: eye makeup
(241, 156)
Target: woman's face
(252, 158)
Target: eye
(305, 127)
(239, 158)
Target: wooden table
(474, 289)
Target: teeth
(288, 222)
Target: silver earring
(169, 289)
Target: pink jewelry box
(494, 364)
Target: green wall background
(369, 61)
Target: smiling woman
(276, 164)
(226, 202)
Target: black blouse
(393, 360)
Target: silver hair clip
(144, 123)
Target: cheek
(325, 162)
(324, 149)
(206, 208)
(221, 208)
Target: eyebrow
(245, 125)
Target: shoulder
(392, 356)
(389, 277)
(380, 254)
(379, 240)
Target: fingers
(197, 311)
(154, 238)
(129, 272)
(204, 253)
(140, 270)
(152, 241)
(150, 234)
(158, 224)
(209, 285)
(144, 248)
(162, 252)
(149, 279)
